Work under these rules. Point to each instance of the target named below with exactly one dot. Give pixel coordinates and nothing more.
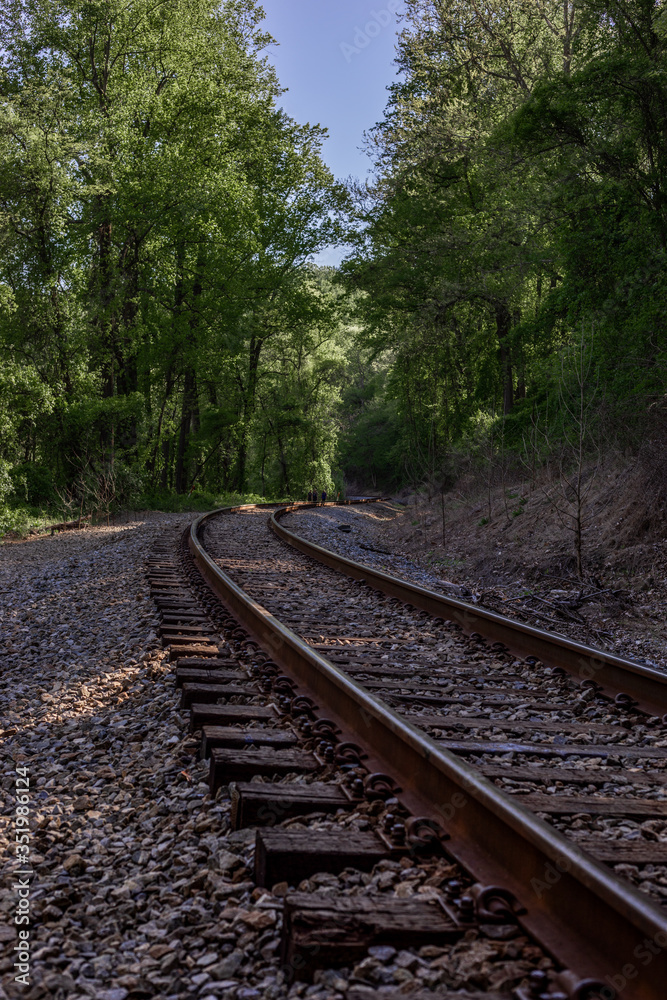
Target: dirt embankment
(513, 548)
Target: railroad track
(533, 769)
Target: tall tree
(156, 204)
(451, 242)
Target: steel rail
(595, 924)
(614, 675)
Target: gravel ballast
(138, 887)
(120, 848)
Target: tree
(596, 139)
(157, 209)
(450, 208)
(519, 183)
(569, 493)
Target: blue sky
(336, 59)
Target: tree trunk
(190, 402)
(152, 465)
(519, 362)
(187, 411)
(248, 410)
(503, 326)
(283, 465)
(164, 479)
(105, 323)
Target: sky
(336, 59)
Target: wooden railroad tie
(285, 855)
(184, 618)
(630, 852)
(202, 628)
(255, 804)
(185, 633)
(175, 598)
(227, 738)
(175, 607)
(196, 648)
(369, 993)
(203, 675)
(453, 721)
(615, 750)
(576, 776)
(443, 700)
(563, 805)
(361, 666)
(321, 931)
(227, 715)
(209, 694)
(172, 593)
(242, 765)
(207, 663)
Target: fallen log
(69, 525)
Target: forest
(165, 337)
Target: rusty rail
(593, 923)
(613, 674)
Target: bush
(14, 519)
(129, 487)
(32, 484)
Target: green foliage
(370, 444)
(520, 195)
(6, 481)
(157, 210)
(14, 516)
(162, 332)
(32, 484)
(15, 520)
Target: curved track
(461, 723)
